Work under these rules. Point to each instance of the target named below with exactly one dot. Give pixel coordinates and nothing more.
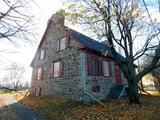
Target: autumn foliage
(66, 109)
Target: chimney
(59, 17)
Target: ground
(11, 109)
(54, 108)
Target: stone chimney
(58, 17)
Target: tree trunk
(141, 86)
(132, 83)
(133, 91)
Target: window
(56, 69)
(106, 68)
(62, 44)
(98, 67)
(42, 54)
(95, 88)
(92, 66)
(39, 73)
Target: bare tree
(15, 21)
(122, 23)
(155, 73)
(15, 73)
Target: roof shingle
(93, 44)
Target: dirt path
(5, 113)
(16, 111)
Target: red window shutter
(90, 67)
(110, 69)
(100, 68)
(38, 91)
(61, 69)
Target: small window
(106, 68)
(56, 69)
(62, 44)
(39, 73)
(96, 88)
(42, 54)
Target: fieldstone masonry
(75, 76)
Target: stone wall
(75, 78)
(105, 83)
(67, 85)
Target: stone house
(70, 64)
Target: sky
(42, 10)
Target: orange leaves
(119, 110)
(60, 108)
(52, 107)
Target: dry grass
(58, 108)
(18, 95)
(52, 107)
(5, 113)
(154, 93)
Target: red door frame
(118, 75)
(38, 91)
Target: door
(38, 91)
(118, 75)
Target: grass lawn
(66, 109)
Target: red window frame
(95, 88)
(91, 66)
(40, 54)
(60, 71)
(110, 69)
(39, 74)
(59, 43)
(99, 67)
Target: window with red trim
(42, 54)
(95, 88)
(62, 44)
(99, 68)
(93, 67)
(106, 68)
(56, 69)
(39, 73)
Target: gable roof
(93, 44)
(83, 39)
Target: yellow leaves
(71, 6)
(53, 107)
(60, 108)
(118, 110)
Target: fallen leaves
(60, 108)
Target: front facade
(68, 63)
